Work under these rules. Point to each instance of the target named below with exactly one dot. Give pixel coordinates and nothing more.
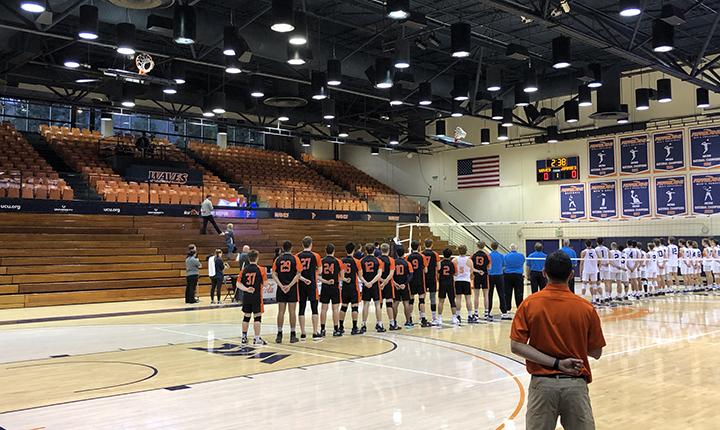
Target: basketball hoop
(144, 63)
(459, 134)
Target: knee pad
(301, 308)
(421, 300)
(246, 318)
(355, 308)
(412, 301)
(343, 308)
(258, 318)
(314, 307)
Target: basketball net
(459, 134)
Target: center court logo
(251, 353)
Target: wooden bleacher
(57, 259)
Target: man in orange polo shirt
(555, 331)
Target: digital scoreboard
(558, 169)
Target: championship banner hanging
(705, 147)
(670, 196)
(668, 151)
(603, 200)
(635, 198)
(634, 154)
(572, 201)
(601, 157)
(706, 194)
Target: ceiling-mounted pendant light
(328, 109)
(522, 98)
(702, 98)
(396, 97)
(485, 136)
(457, 110)
(232, 65)
(507, 118)
(257, 86)
(493, 81)
(397, 9)
(629, 8)
(664, 90)
(343, 133)
(334, 72)
(218, 102)
(663, 36)
(72, 60)
(207, 111)
(461, 87)
(624, 119)
(125, 32)
(299, 35)
(561, 52)
(440, 129)
(497, 110)
(295, 55)
(460, 39)
(374, 151)
(642, 99)
(184, 25)
(318, 85)
(305, 141)
(383, 73)
(572, 111)
(88, 23)
(425, 94)
(127, 98)
(231, 41)
(584, 96)
(552, 134)
(283, 117)
(283, 15)
(502, 133)
(530, 83)
(394, 139)
(596, 75)
(170, 89)
(177, 72)
(402, 54)
(33, 6)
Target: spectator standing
(535, 264)
(192, 272)
(497, 264)
(555, 331)
(573, 258)
(514, 281)
(206, 209)
(229, 236)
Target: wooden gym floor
(155, 365)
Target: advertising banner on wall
(601, 157)
(572, 201)
(634, 154)
(635, 198)
(603, 199)
(670, 196)
(668, 151)
(705, 147)
(706, 194)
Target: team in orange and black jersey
(417, 282)
(286, 271)
(251, 280)
(331, 271)
(308, 288)
(351, 293)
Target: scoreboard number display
(558, 169)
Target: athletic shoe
(363, 330)
(322, 333)
(455, 321)
(488, 318)
(278, 338)
(459, 318)
(342, 330)
(244, 340)
(424, 323)
(294, 339)
(395, 327)
(337, 333)
(317, 336)
(474, 320)
(506, 317)
(259, 341)
(379, 328)
(354, 331)
(303, 336)
(408, 324)
(437, 322)
(212, 302)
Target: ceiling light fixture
(72, 61)
(642, 99)
(374, 151)
(625, 118)
(531, 81)
(497, 110)
(170, 90)
(383, 73)
(664, 90)
(334, 72)
(295, 55)
(596, 71)
(256, 86)
(125, 32)
(572, 111)
(629, 8)
(33, 6)
(457, 110)
(522, 98)
(460, 39)
(561, 52)
(493, 79)
(127, 99)
(461, 88)
(584, 96)
(502, 133)
(552, 134)
(230, 41)
(232, 65)
(299, 35)
(396, 97)
(394, 139)
(397, 9)
(507, 118)
(663, 36)
(328, 109)
(318, 85)
(343, 134)
(283, 16)
(702, 98)
(218, 102)
(402, 54)
(207, 111)
(425, 94)
(485, 136)
(177, 72)
(88, 22)
(184, 25)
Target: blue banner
(634, 154)
(670, 196)
(635, 198)
(668, 150)
(705, 147)
(706, 194)
(603, 199)
(601, 157)
(572, 201)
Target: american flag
(478, 172)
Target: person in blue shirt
(497, 264)
(514, 280)
(535, 265)
(573, 257)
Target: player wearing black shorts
(446, 278)
(401, 284)
(417, 282)
(350, 288)
(332, 271)
(481, 280)
(286, 273)
(431, 279)
(310, 262)
(372, 269)
(251, 280)
(386, 285)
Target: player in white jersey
(673, 254)
(684, 264)
(617, 270)
(642, 276)
(603, 254)
(462, 283)
(589, 271)
(624, 256)
(661, 250)
(697, 265)
(651, 270)
(632, 262)
(707, 264)
(716, 262)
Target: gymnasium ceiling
(357, 32)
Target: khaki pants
(567, 398)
